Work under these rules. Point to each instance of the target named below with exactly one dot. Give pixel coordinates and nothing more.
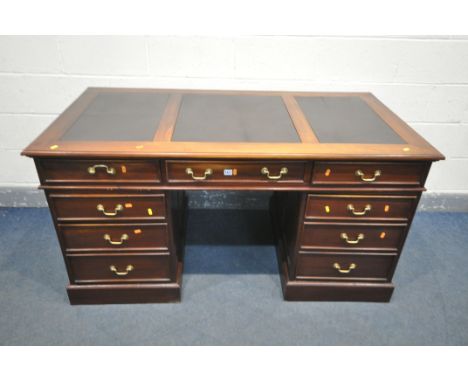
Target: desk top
(229, 124)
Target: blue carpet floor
(231, 291)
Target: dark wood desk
(346, 172)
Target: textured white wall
(424, 80)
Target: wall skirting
(22, 197)
(430, 201)
(444, 201)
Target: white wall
(424, 80)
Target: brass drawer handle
(117, 208)
(366, 209)
(109, 170)
(338, 267)
(377, 173)
(282, 172)
(128, 269)
(345, 237)
(207, 172)
(122, 239)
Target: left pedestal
(121, 235)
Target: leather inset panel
(234, 118)
(119, 117)
(346, 120)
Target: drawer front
(369, 173)
(98, 171)
(108, 207)
(118, 268)
(226, 171)
(112, 237)
(345, 266)
(356, 207)
(352, 236)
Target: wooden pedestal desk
(346, 175)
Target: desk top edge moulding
(345, 174)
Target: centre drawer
(112, 237)
(370, 173)
(352, 236)
(357, 207)
(148, 267)
(235, 171)
(53, 171)
(69, 207)
(375, 267)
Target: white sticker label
(228, 172)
